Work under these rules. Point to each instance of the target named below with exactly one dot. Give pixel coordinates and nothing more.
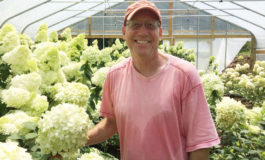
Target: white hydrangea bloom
(10, 41)
(254, 115)
(30, 82)
(12, 123)
(230, 113)
(100, 76)
(74, 93)
(36, 106)
(211, 83)
(15, 97)
(91, 156)
(91, 54)
(64, 59)
(63, 129)
(18, 59)
(118, 45)
(50, 77)
(104, 55)
(11, 151)
(72, 71)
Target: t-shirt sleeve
(106, 109)
(199, 128)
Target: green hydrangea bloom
(13, 123)
(19, 59)
(53, 36)
(76, 47)
(15, 97)
(30, 82)
(63, 129)
(74, 93)
(212, 83)
(7, 28)
(10, 41)
(254, 115)
(11, 151)
(25, 40)
(66, 35)
(90, 54)
(51, 77)
(72, 71)
(42, 34)
(50, 61)
(104, 55)
(230, 113)
(91, 156)
(100, 76)
(36, 106)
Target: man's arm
(102, 131)
(200, 154)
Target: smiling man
(154, 101)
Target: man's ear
(123, 32)
(160, 33)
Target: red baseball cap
(140, 5)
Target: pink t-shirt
(159, 117)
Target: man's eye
(136, 25)
(150, 25)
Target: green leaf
(45, 157)
(34, 148)
(30, 125)
(31, 135)
(14, 137)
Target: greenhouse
(56, 54)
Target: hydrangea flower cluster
(91, 156)
(91, 54)
(74, 93)
(11, 151)
(12, 123)
(9, 38)
(63, 129)
(72, 71)
(230, 113)
(100, 76)
(20, 60)
(76, 47)
(255, 115)
(24, 94)
(251, 86)
(105, 55)
(42, 34)
(242, 68)
(212, 83)
(94, 154)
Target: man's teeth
(142, 42)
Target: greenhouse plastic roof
(28, 15)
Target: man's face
(142, 33)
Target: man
(154, 101)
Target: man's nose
(143, 29)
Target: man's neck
(149, 65)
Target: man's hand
(200, 154)
(102, 131)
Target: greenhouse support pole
(104, 24)
(253, 53)
(197, 42)
(225, 45)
